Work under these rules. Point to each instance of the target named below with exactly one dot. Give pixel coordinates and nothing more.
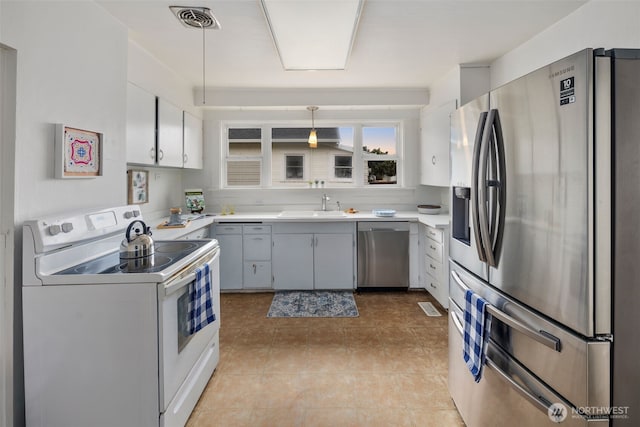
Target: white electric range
(106, 344)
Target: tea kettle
(139, 246)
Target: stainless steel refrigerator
(545, 225)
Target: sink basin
(312, 214)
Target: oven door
(180, 352)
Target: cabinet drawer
(434, 234)
(434, 269)
(256, 229)
(257, 247)
(433, 250)
(433, 286)
(228, 229)
(257, 274)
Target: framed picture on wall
(138, 186)
(78, 152)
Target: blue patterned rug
(313, 304)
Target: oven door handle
(181, 282)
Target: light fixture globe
(313, 137)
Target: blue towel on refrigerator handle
(477, 326)
(200, 310)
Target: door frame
(8, 347)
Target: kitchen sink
(312, 214)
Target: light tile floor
(387, 367)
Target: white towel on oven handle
(200, 310)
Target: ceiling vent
(196, 17)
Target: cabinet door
(230, 261)
(292, 259)
(141, 126)
(257, 247)
(435, 142)
(169, 134)
(257, 275)
(333, 267)
(192, 144)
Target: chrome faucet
(325, 199)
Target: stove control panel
(55, 232)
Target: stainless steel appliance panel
(544, 263)
(626, 346)
(574, 367)
(383, 254)
(465, 123)
(507, 395)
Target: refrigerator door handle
(501, 188)
(475, 206)
(538, 401)
(543, 337)
(482, 184)
(492, 158)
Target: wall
(605, 24)
(245, 200)
(71, 68)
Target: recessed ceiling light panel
(313, 34)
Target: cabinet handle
(257, 238)
(160, 154)
(152, 153)
(432, 267)
(433, 160)
(254, 269)
(431, 284)
(185, 158)
(432, 247)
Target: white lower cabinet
(333, 259)
(230, 261)
(245, 256)
(434, 255)
(293, 261)
(314, 256)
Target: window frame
(333, 168)
(358, 156)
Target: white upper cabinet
(169, 134)
(434, 144)
(192, 145)
(141, 126)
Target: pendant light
(313, 137)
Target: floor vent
(429, 309)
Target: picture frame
(137, 186)
(78, 152)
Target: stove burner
(140, 266)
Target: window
(342, 168)
(354, 155)
(294, 167)
(379, 146)
(244, 157)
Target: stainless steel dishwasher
(383, 254)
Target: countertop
(436, 221)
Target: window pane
(243, 172)
(343, 166)
(295, 167)
(381, 172)
(245, 142)
(379, 140)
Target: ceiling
(398, 44)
